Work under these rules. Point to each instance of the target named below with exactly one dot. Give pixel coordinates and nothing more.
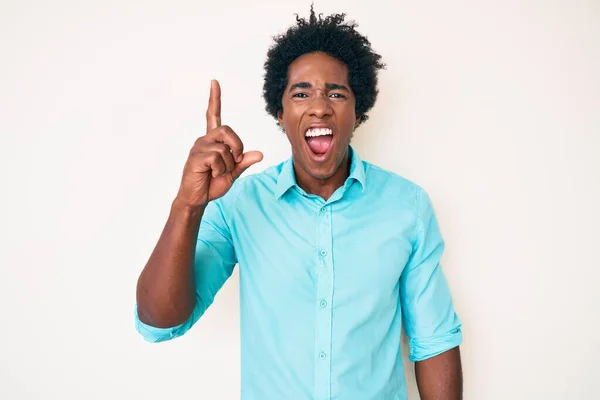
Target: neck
(323, 188)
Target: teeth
(318, 132)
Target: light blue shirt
(326, 286)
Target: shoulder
(264, 179)
(255, 185)
(400, 195)
(392, 184)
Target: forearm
(166, 287)
(440, 377)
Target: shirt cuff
(153, 334)
(424, 348)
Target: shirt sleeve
(430, 321)
(214, 261)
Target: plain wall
(492, 106)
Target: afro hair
(330, 35)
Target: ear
(357, 121)
(280, 120)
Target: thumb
(248, 159)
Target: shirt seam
(236, 195)
(417, 219)
(217, 230)
(227, 213)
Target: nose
(320, 106)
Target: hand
(215, 160)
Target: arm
(194, 255)
(165, 289)
(430, 322)
(440, 377)
(212, 263)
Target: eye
(337, 96)
(300, 95)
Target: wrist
(187, 211)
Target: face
(318, 114)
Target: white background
(492, 106)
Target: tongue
(319, 144)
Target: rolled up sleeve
(213, 264)
(153, 334)
(430, 320)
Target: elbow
(156, 333)
(159, 308)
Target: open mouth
(319, 141)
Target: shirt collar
(287, 178)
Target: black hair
(330, 35)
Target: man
(335, 254)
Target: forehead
(317, 68)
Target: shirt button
(323, 304)
(324, 210)
(323, 252)
(322, 355)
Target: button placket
(323, 307)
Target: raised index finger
(213, 113)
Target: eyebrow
(329, 86)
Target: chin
(321, 174)
(322, 167)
